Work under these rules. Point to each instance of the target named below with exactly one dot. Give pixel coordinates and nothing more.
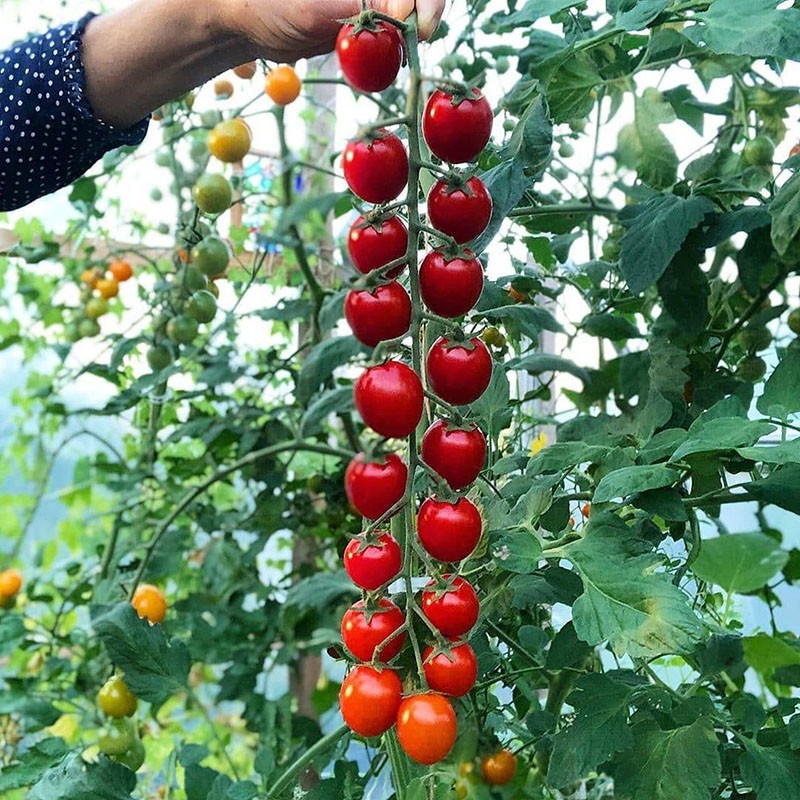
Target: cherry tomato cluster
(390, 399)
(10, 584)
(119, 737)
(98, 286)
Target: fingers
(429, 12)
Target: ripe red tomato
(456, 127)
(459, 373)
(449, 531)
(499, 769)
(361, 635)
(452, 673)
(369, 59)
(450, 286)
(426, 727)
(373, 245)
(389, 398)
(453, 611)
(372, 562)
(457, 454)
(376, 169)
(460, 213)
(377, 315)
(373, 487)
(369, 700)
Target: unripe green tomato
(202, 306)
(759, 152)
(210, 118)
(117, 736)
(560, 173)
(115, 699)
(211, 255)
(213, 193)
(492, 336)
(134, 757)
(611, 250)
(156, 194)
(163, 158)
(578, 125)
(159, 357)
(509, 124)
(751, 369)
(793, 321)
(88, 328)
(72, 332)
(191, 279)
(182, 329)
(96, 307)
(162, 228)
(502, 65)
(566, 150)
(755, 337)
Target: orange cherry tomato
(120, 270)
(586, 510)
(149, 602)
(107, 287)
(282, 85)
(245, 71)
(517, 297)
(499, 769)
(223, 88)
(10, 582)
(795, 150)
(230, 141)
(90, 277)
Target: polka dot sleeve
(49, 134)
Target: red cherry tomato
(499, 768)
(371, 563)
(389, 399)
(361, 635)
(369, 700)
(453, 611)
(450, 286)
(369, 59)
(377, 315)
(426, 727)
(374, 245)
(459, 373)
(455, 127)
(449, 531)
(373, 487)
(460, 213)
(458, 455)
(452, 673)
(376, 169)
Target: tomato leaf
(322, 361)
(536, 363)
(779, 488)
(76, 779)
(773, 772)
(622, 483)
(781, 396)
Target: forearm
(150, 52)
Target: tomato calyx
(458, 181)
(459, 92)
(368, 19)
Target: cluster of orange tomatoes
(98, 286)
(119, 737)
(389, 397)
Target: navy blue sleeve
(49, 134)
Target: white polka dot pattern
(49, 134)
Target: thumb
(429, 12)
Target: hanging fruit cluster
(392, 397)
(98, 286)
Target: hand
(287, 31)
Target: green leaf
(753, 28)
(766, 653)
(779, 488)
(783, 453)
(781, 396)
(624, 482)
(635, 15)
(12, 632)
(625, 601)
(517, 552)
(741, 562)
(532, 320)
(318, 592)
(785, 212)
(610, 326)
(678, 764)
(773, 772)
(569, 79)
(154, 668)
(530, 12)
(333, 402)
(599, 730)
(655, 233)
(75, 779)
(301, 210)
(36, 760)
(536, 363)
(726, 433)
(322, 361)
(526, 157)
